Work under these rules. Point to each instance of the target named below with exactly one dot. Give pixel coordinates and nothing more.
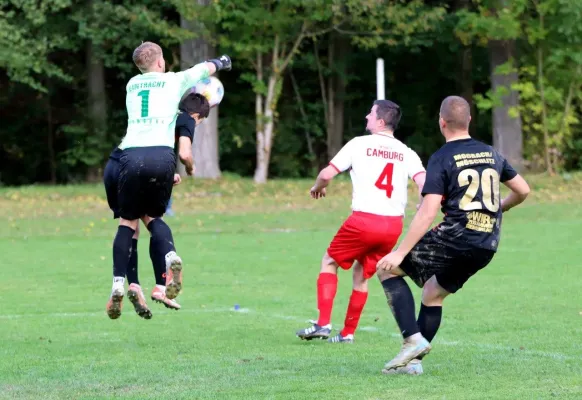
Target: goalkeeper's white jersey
(152, 101)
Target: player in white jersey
(380, 166)
(148, 162)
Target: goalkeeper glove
(222, 63)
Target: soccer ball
(211, 88)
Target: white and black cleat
(314, 332)
(348, 339)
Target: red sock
(355, 308)
(326, 290)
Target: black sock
(159, 264)
(132, 276)
(401, 303)
(122, 250)
(161, 243)
(162, 236)
(429, 320)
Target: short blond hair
(456, 112)
(146, 54)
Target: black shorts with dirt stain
(146, 178)
(110, 179)
(452, 265)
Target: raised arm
(203, 70)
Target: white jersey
(380, 168)
(152, 105)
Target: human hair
(389, 112)
(145, 55)
(195, 103)
(456, 112)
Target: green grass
(513, 331)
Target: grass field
(513, 332)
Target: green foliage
(550, 36)
(250, 27)
(555, 37)
(106, 25)
(392, 23)
(30, 32)
(559, 123)
(368, 23)
(84, 149)
(43, 105)
(494, 98)
(492, 20)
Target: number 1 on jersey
(145, 99)
(384, 181)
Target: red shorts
(365, 238)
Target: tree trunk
(339, 48)
(465, 66)
(50, 136)
(541, 88)
(260, 122)
(96, 101)
(265, 130)
(507, 132)
(265, 108)
(205, 146)
(465, 83)
(308, 139)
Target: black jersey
(185, 126)
(468, 173)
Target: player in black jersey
(462, 177)
(192, 110)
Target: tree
(205, 146)
(552, 77)
(30, 31)
(96, 96)
(507, 126)
(333, 90)
(546, 78)
(496, 24)
(366, 25)
(283, 26)
(465, 68)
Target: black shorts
(146, 178)
(110, 178)
(452, 265)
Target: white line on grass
(483, 346)
(101, 314)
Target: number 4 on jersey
(384, 181)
